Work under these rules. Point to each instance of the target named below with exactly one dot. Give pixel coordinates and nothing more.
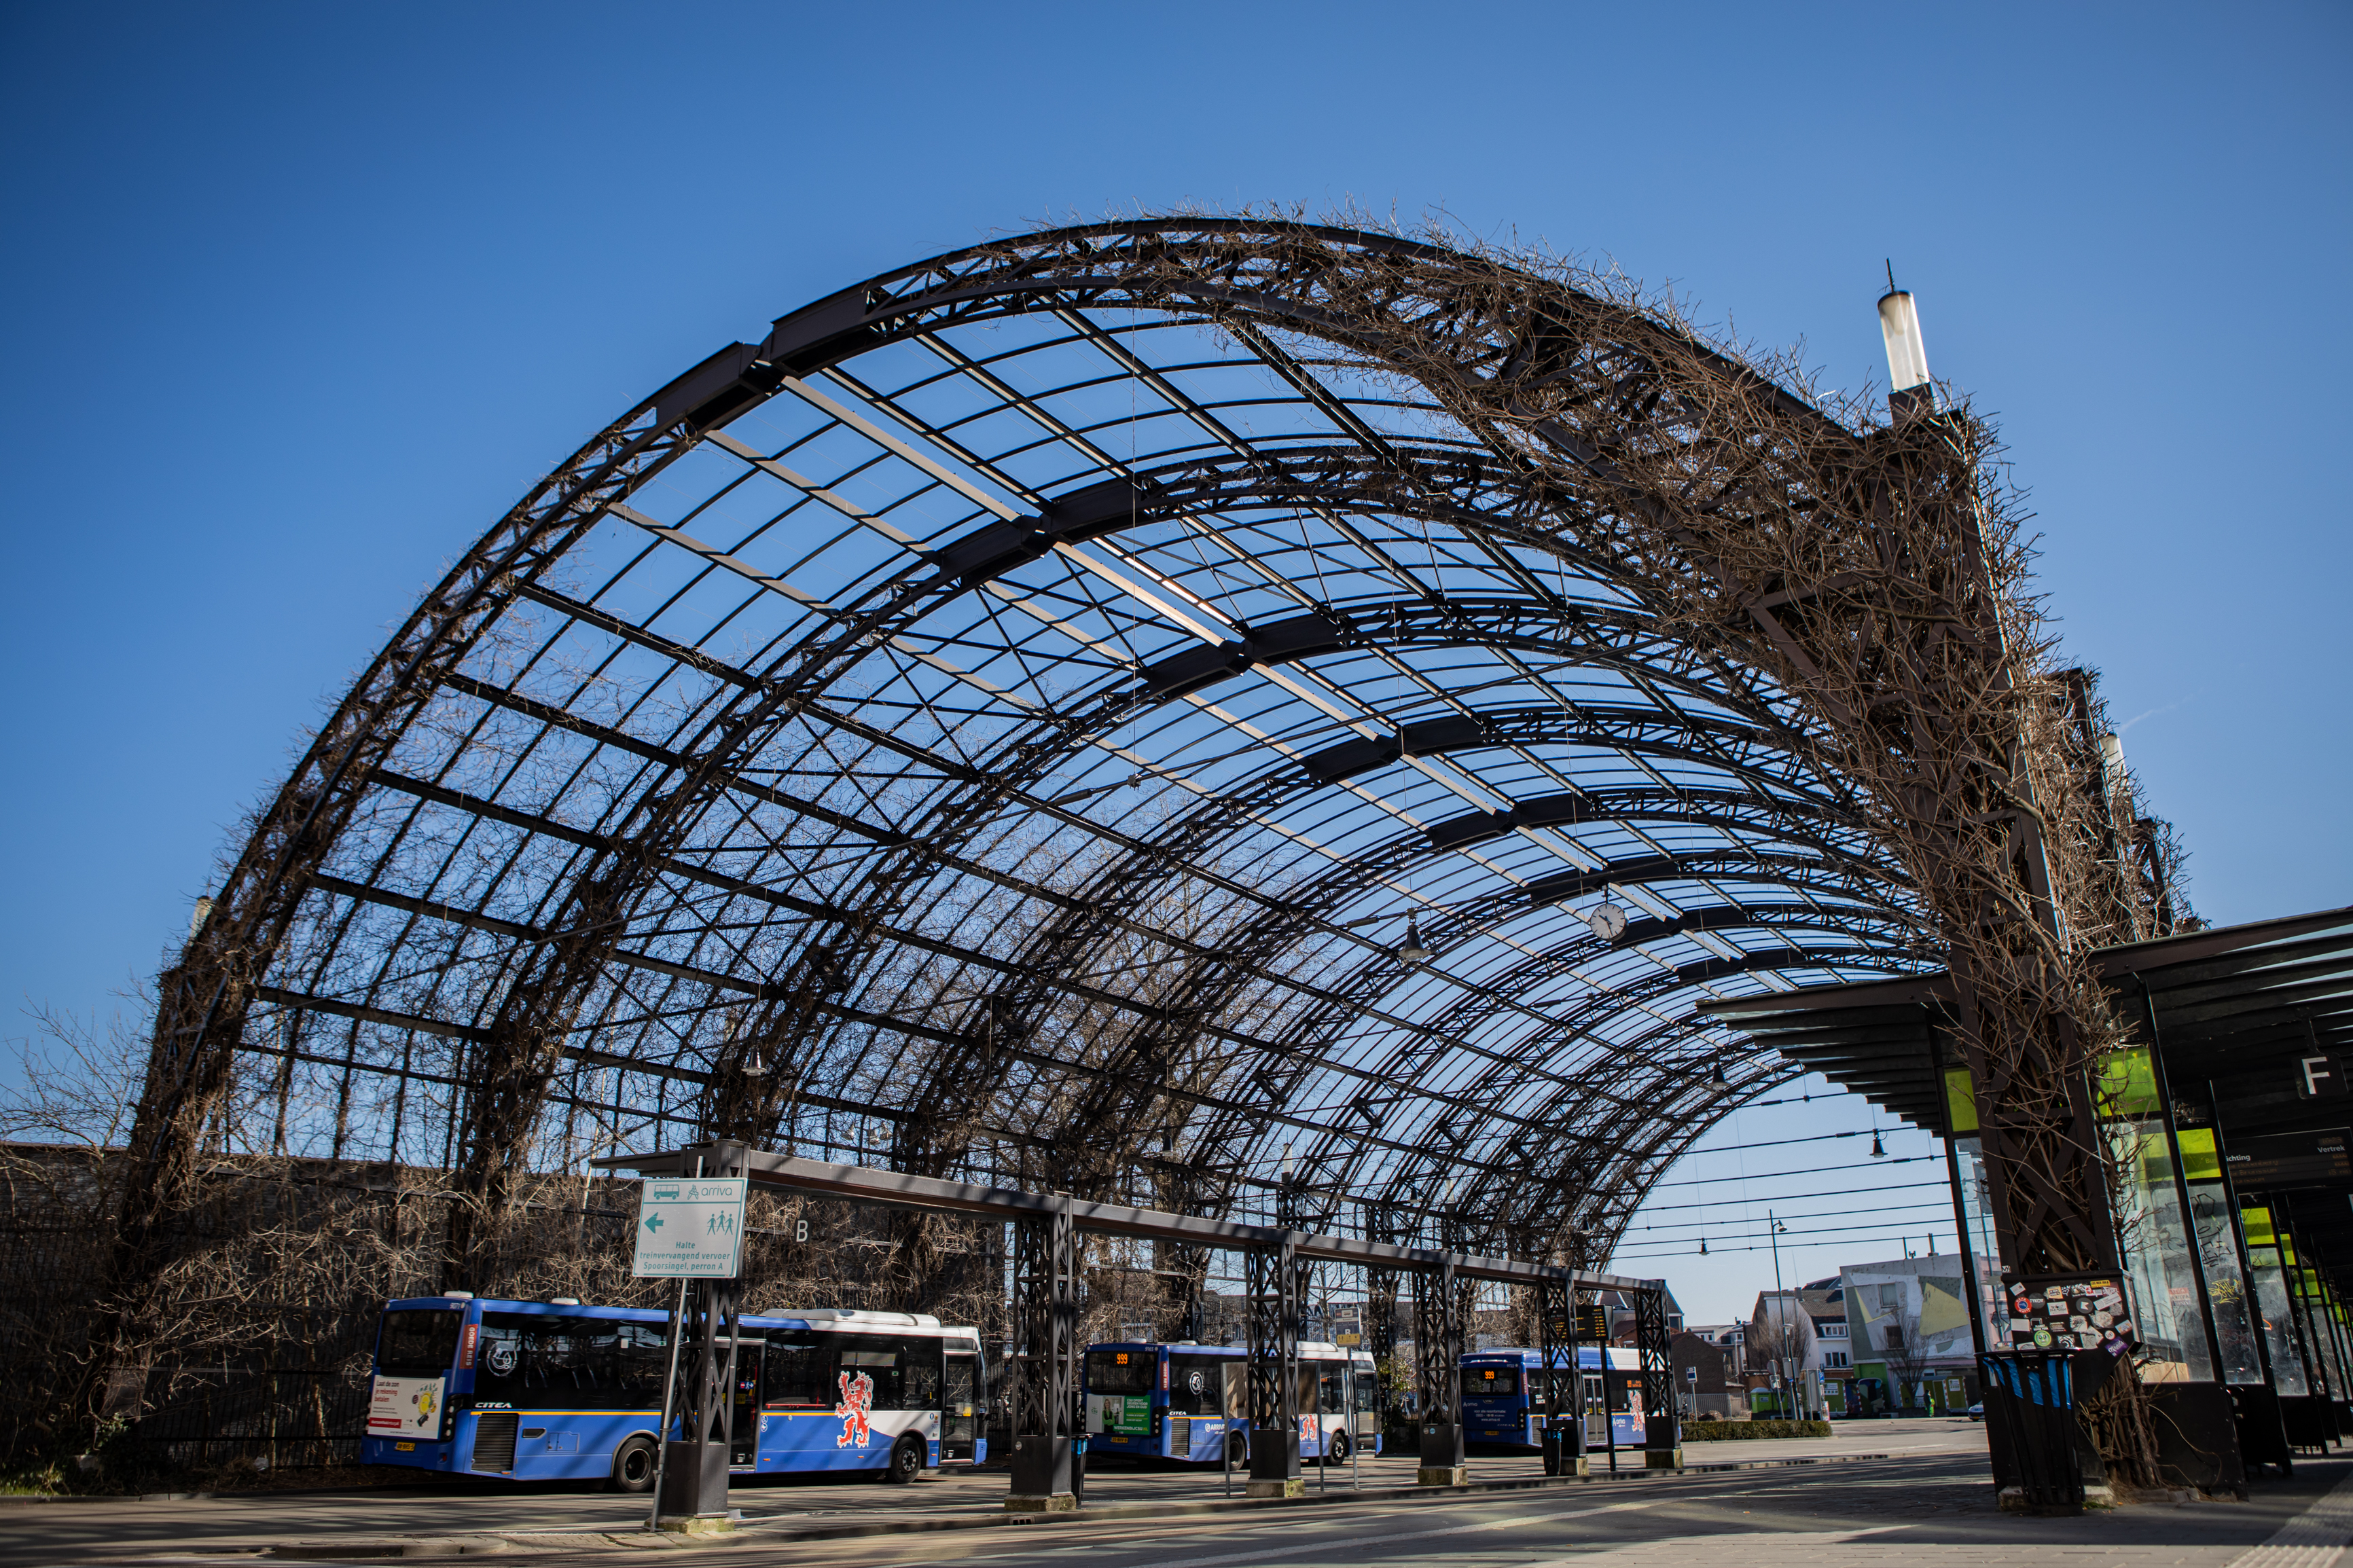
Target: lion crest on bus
(857, 1405)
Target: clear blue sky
(299, 299)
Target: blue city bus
(1503, 1402)
(533, 1391)
(1190, 1402)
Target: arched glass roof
(1008, 724)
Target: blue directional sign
(690, 1230)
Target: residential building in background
(1908, 1334)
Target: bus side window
(879, 1358)
(920, 1360)
(1331, 1400)
(799, 1374)
(1197, 1384)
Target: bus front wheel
(1237, 1449)
(1337, 1451)
(633, 1465)
(906, 1461)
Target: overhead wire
(1810, 1171)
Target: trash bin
(2030, 1395)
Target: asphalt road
(1930, 1501)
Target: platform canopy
(2237, 1007)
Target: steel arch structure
(1004, 724)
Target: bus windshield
(418, 1342)
(1489, 1382)
(1121, 1372)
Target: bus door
(1597, 1412)
(1195, 1401)
(743, 1420)
(959, 1417)
(1626, 1412)
(1365, 1386)
(1331, 1403)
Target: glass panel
(2226, 1287)
(2322, 1344)
(1976, 1211)
(2157, 1245)
(2272, 1302)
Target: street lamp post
(1773, 1228)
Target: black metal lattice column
(1438, 1364)
(1564, 1446)
(694, 1471)
(1661, 1433)
(1381, 1313)
(1045, 1365)
(1272, 1281)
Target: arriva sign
(690, 1230)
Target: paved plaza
(1911, 1488)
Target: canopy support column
(1564, 1435)
(1438, 1353)
(1662, 1444)
(1048, 1473)
(1273, 1282)
(693, 1499)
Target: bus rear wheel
(633, 1465)
(906, 1461)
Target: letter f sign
(2320, 1080)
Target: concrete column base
(1296, 1485)
(1664, 1458)
(1054, 1503)
(1443, 1475)
(695, 1524)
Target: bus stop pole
(670, 1391)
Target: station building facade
(2229, 1134)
